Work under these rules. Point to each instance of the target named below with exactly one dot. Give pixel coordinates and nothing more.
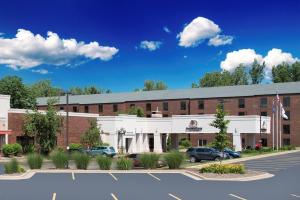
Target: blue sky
(179, 56)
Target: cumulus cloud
(40, 71)
(246, 57)
(27, 50)
(150, 45)
(166, 29)
(219, 40)
(197, 31)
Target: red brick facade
(252, 107)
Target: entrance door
(127, 144)
(151, 142)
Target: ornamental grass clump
(13, 167)
(60, 159)
(149, 160)
(104, 162)
(224, 169)
(124, 163)
(34, 161)
(174, 159)
(81, 160)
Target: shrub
(185, 143)
(124, 163)
(266, 149)
(35, 161)
(13, 167)
(105, 144)
(81, 160)
(11, 149)
(17, 148)
(75, 146)
(104, 162)
(149, 160)
(174, 159)
(59, 159)
(29, 148)
(249, 151)
(224, 169)
(288, 148)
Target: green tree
(214, 79)
(281, 73)
(138, 111)
(21, 95)
(76, 91)
(44, 88)
(160, 85)
(43, 127)
(221, 140)
(150, 85)
(257, 72)
(239, 76)
(295, 71)
(92, 136)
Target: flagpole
(277, 123)
(280, 122)
(273, 125)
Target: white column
(157, 143)
(6, 138)
(145, 143)
(236, 141)
(140, 143)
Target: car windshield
(111, 148)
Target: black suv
(196, 154)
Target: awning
(4, 132)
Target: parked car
(102, 150)
(232, 154)
(135, 157)
(196, 154)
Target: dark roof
(193, 93)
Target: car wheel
(193, 159)
(217, 158)
(231, 157)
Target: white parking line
(54, 196)
(177, 198)
(114, 196)
(297, 196)
(73, 176)
(154, 176)
(238, 197)
(113, 176)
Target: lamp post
(122, 132)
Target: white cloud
(27, 50)
(244, 56)
(197, 31)
(1, 33)
(40, 71)
(150, 45)
(219, 40)
(166, 29)
(276, 57)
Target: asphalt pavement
(156, 186)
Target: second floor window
(241, 113)
(148, 107)
(165, 106)
(75, 109)
(286, 129)
(241, 103)
(264, 113)
(263, 102)
(86, 109)
(286, 101)
(132, 105)
(200, 104)
(100, 108)
(115, 108)
(182, 105)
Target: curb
(237, 160)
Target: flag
(284, 116)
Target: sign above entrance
(193, 127)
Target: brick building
(237, 100)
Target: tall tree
(213, 79)
(21, 95)
(239, 76)
(44, 88)
(138, 111)
(221, 140)
(92, 136)
(281, 73)
(257, 72)
(150, 85)
(76, 91)
(43, 127)
(295, 71)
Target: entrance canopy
(2, 132)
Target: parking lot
(274, 164)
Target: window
(241, 113)
(165, 115)
(264, 142)
(86, 109)
(115, 107)
(288, 114)
(100, 108)
(263, 113)
(286, 129)
(61, 108)
(202, 142)
(148, 107)
(241, 103)
(75, 109)
(165, 106)
(286, 142)
(200, 104)
(286, 101)
(132, 105)
(182, 105)
(263, 102)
